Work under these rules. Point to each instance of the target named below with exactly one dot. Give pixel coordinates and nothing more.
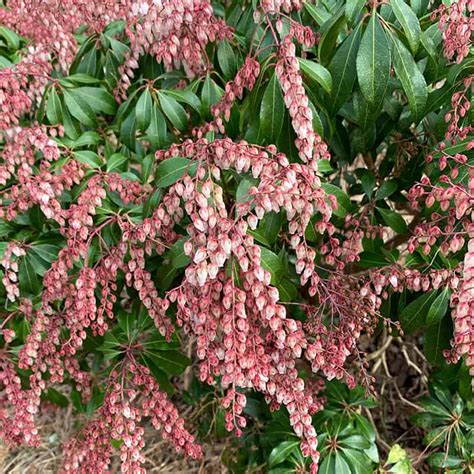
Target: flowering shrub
(262, 182)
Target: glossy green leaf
(282, 452)
(12, 39)
(171, 362)
(178, 258)
(386, 189)
(271, 263)
(27, 277)
(354, 9)
(54, 108)
(373, 62)
(343, 70)
(128, 131)
(79, 108)
(174, 111)
(143, 110)
(393, 219)
(156, 131)
(272, 111)
(410, 24)
(414, 315)
(115, 162)
(99, 100)
(172, 169)
(186, 97)
(436, 339)
(439, 307)
(317, 73)
(412, 80)
(90, 158)
(329, 32)
(343, 200)
(227, 59)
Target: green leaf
(115, 162)
(227, 60)
(156, 132)
(243, 189)
(340, 465)
(356, 460)
(316, 12)
(27, 277)
(328, 465)
(86, 139)
(53, 396)
(174, 111)
(268, 228)
(317, 73)
(372, 260)
(209, 96)
(343, 70)
(373, 62)
(396, 454)
(165, 276)
(143, 110)
(439, 307)
(368, 183)
(324, 166)
(412, 80)
(271, 263)
(98, 99)
(47, 252)
(436, 339)
(79, 108)
(444, 460)
(178, 258)
(172, 169)
(54, 108)
(329, 32)
(185, 96)
(282, 452)
(272, 111)
(128, 131)
(393, 219)
(159, 376)
(343, 200)
(78, 78)
(12, 39)
(387, 189)
(355, 441)
(172, 362)
(413, 316)
(410, 24)
(110, 347)
(354, 9)
(90, 158)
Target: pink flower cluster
(277, 6)
(456, 21)
(244, 79)
(174, 32)
(310, 145)
(132, 394)
(10, 264)
(463, 312)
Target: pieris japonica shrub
(260, 181)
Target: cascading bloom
(456, 21)
(277, 6)
(174, 32)
(133, 394)
(463, 311)
(310, 145)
